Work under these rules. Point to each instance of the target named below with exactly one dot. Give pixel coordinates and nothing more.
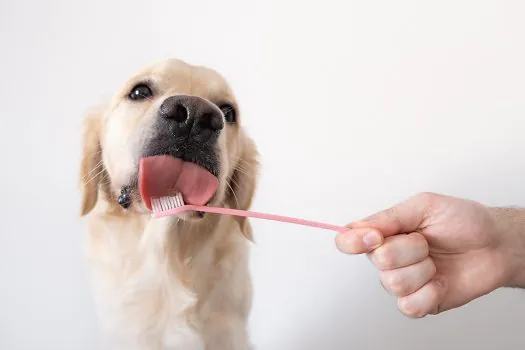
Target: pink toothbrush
(173, 205)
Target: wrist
(510, 227)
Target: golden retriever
(171, 283)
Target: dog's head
(172, 128)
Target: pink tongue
(166, 175)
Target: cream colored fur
(166, 283)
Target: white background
(355, 105)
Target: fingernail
(409, 306)
(372, 239)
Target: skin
(435, 252)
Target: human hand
(435, 252)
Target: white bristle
(155, 204)
(159, 204)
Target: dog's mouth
(165, 175)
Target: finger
(400, 251)
(404, 217)
(425, 301)
(404, 281)
(358, 241)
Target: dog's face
(173, 127)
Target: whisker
(241, 168)
(239, 187)
(105, 179)
(243, 171)
(245, 161)
(246, 165)
(233, 193)
(94, 177)
(95, 168)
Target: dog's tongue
(165, 175)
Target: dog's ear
(91, 167)
(243, 182)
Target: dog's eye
(229, 113)
(140, 92)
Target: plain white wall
(354, 105)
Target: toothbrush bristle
(159, 204)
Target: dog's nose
(191, 115)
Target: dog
(177, 282)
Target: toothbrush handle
(252, 214)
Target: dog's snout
(211, 121)
(191, 114)
(174, 108)
(188, 128)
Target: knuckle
(410, 312)
(385, 258)
(435, 311)
(392, 214)
(428, 270)
(433, 294)
(417, 314)
(419, 241)
(395, 284)
(426, 195)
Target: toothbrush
(173, 205)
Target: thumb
(404, 217)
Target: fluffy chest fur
(168, 284)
